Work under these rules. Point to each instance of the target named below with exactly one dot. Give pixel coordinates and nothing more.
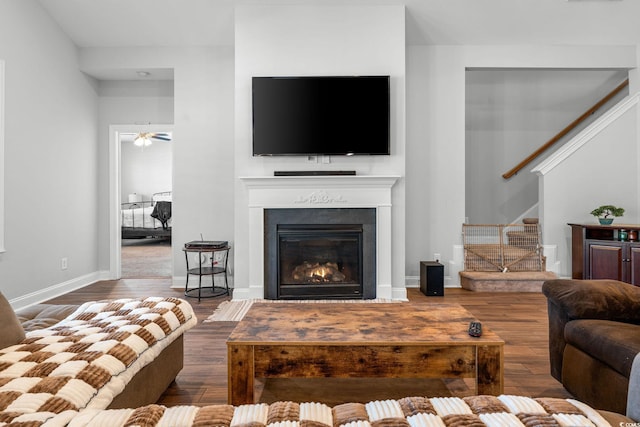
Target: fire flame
(320, 271)
(316, 272)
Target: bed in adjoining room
(150, 218)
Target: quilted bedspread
(87, 359)
(474, 411)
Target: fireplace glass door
(320, 261)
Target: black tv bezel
(325, 153)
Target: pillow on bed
(162, 197)
(11, 331)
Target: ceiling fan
(144, 139)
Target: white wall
(144, 170)
(509, 115)
(203, 163)
(436, 136)
(435, 147)
(50, 157)
(202, 140)
(602, 171)
(125, 103)
(318, 40)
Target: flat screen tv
(332, 115)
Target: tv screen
(341, 115)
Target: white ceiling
(174, 23)
(126, 23)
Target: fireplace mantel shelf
(314, 181)
(327, 191)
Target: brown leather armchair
(594, 336)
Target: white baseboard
(178, 282)
(57, 290)
(412, 281)
(399, 294)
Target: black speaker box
(432, 278)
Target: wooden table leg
(240, 368)
(490, 375)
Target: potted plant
(605, 213)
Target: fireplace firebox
(320, 260)
(320, 253)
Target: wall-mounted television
(328, 115)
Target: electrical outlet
(436, 256)
(216, 259)
(63, 263)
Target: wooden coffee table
(389, 340)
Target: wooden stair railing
(565, 131)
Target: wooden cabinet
(599, 253)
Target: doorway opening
(140, 201)
(146, 203)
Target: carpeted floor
(148, 257)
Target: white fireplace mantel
(333, 191)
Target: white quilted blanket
(476, 411)
(86, 360)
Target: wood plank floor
(520, 319)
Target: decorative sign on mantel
(319, 197)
